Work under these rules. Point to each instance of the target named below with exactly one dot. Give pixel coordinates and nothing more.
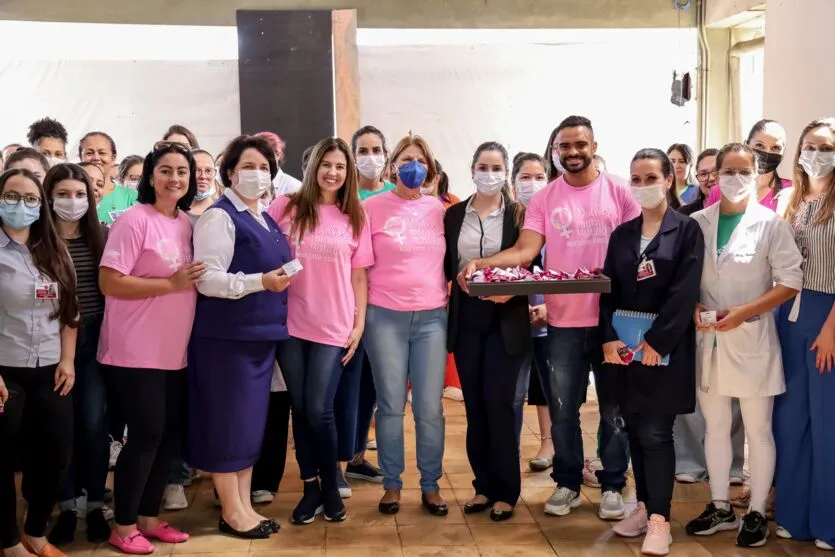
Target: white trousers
(756, 415)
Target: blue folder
(631, 327)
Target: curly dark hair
(46, 127)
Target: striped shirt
(90, 298)
(816, 241)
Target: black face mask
(767, 162)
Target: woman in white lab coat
(752, 265)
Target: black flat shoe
(270, 525)
(333, 507)
(434, 509)
(257, 533)
(475, 508)
(389, 508)
(500, 516)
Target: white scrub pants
(756, 415)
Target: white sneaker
(737, 480)
(115, 450)
(685, 478)
(820, 544)
(174, 498)
(611, 506)
(782, 533)
(409, 397)
(561, 502)
(262, 497)
(372, 445)
(454, 393)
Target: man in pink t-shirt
(573, 218)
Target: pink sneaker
(633, 525)
(589, 477)
(134, 543)
(166, 533)
(658, 539)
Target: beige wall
(799, 68)
(463, 14)
(725, 13)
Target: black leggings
(153, 403)
(38, 424)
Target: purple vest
(261, 316)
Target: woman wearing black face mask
(768, 140)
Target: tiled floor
(412, 533)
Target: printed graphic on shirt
(169, 251)
(584, 227)
(327, 243)
(415, 234)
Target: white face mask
(131, 184)
(70, 210)
(53, 161)
(817, 164)
(489, 183)
(427, 191)
(649, 197)
(736, 187)
(525, 189)
(252, 184)
(555, 158)
(371, 166)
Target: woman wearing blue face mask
(207, 191)
(406, 322)
(39, 320)
(488, 337)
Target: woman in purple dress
(241, 316)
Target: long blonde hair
(306, 200)
(801, 179)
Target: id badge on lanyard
(646, 269)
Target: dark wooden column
(298, 76)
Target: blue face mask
(204, 195)
(412, 174)
(19, 216)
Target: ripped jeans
(571, 352)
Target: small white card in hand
(292, 268)
(708, 317)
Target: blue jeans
(312, 372)
(408, 347)
(91, 453)
(354, 406)
(571, 351)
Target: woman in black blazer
(655, 263)
(489, 338)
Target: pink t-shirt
(321, 301)
(409, 248)
(151, 332)
(576, 224)
(770, 200)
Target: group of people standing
(202, 318)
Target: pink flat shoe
(133, 544)
(166, 533)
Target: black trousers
(153, 403)
(268, 471)
(653, 460)
(37, 424)
(488, 377)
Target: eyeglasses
(209, 172)
(176, 146)
(704, 175)
(29, 200)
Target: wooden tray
(602, 285)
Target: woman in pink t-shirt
(147, 276)
(407, 321)
(767, 138)
(328, 232)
